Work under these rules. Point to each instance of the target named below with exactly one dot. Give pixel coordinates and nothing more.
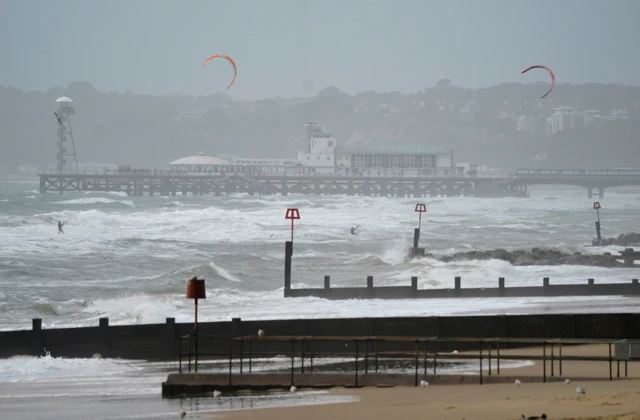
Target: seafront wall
(161, 341)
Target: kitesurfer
(60, 224)
(353, 229)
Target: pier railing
(249, 171)
(423, 353)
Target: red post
(596, 207)
(292, 214)
(420, 208)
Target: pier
(241, 179)
(591, 179)
(233, 179)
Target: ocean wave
(97, 200)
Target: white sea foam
(128, 259)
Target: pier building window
(358, 161)
(368, 161)
(410, 161)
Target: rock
(623, 239)
(537, 256)
(574, 260)
(525, 259)
(500, 254)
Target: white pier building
(323, 157)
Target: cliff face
(502, 126)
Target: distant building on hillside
(564, 117)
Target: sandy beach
(604, 399)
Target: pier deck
(166, 183)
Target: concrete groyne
(162, 341)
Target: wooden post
(37, 348)
(481, 362)
(544, 361)
(288, 252)
(104, 337)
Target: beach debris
(293, 388)
(216, 393)
(567, 381)
(542, 416)
(96, 356)
(260, 333)
(424, 383)
(580, 390)
(517, 382)
(182, 413)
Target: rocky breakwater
(536, 256)
(624, 239)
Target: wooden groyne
(411, 291)
(162, 341)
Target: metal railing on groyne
(243, 352)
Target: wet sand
(604, 399)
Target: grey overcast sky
(297, 47)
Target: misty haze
(354, 168)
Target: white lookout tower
(64, 128)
